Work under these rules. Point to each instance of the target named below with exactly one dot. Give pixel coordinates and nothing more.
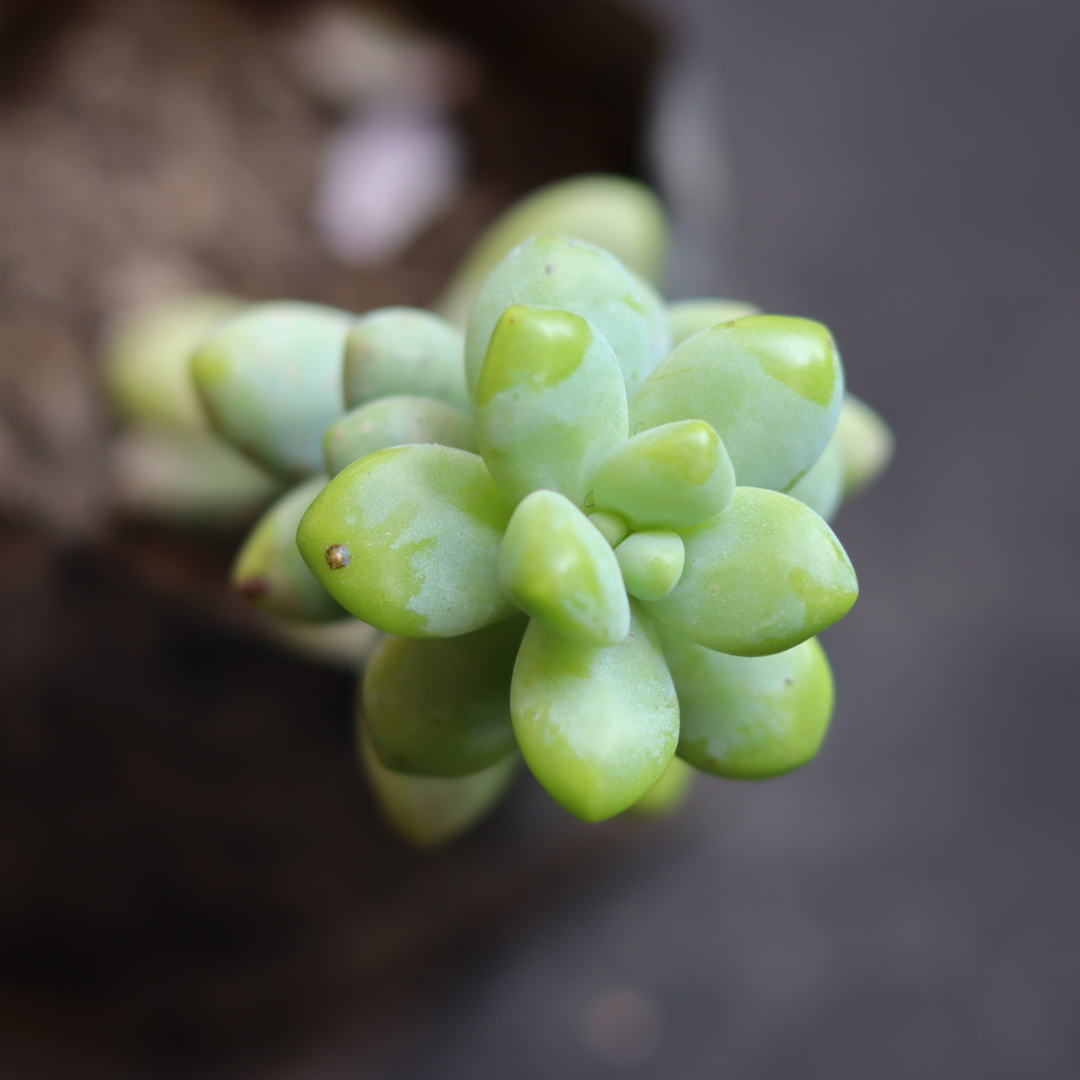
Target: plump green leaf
(549, 404)
(759, 578)
(147, 366)
(270, 380)
(668, 793)
(668, 477)
(611, 526)
(822, 488)
(557, 566)
(771, 385)
(403, 350)
(689, 317)
(346, 643)
(656, 316)
(441, 707)
(651, 563)
(190, 478)
(865, 443)
(407, 539)
(556, 272)
(270, 570)
(429, 811)
(617, 214)
(750, 717)
(395, 421)
(597, 726)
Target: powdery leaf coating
(771, 385)
(553, 271)
(689, 317)
(822, 488)
(651, 563)
(750, 717)
(270, 571)
(270, 381)
(597, 726)
(550, 403)
(759, 578)
(403, 350)
(429, 811)
(395, 421)
(557, 566)
(407, 539)
(668, 477)
(441, 707)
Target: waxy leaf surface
(550, 403)
(668, 477)
(822, 488)
(750, 717)
(689, 317)
(407, 539)
(403, 350)
(429, 811)
(597, 726)
(270, 380)
(395, 421)
(441, 706)
(771, 385)
(557, 566)
(760, 577)
(270, 571)
(553, 271)
(147, 367)
(668, 793)
(651, 563)
(865, 443)
(620, 215)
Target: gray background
(907, 906)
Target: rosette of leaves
(620, 570)
(591, 528)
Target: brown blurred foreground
(191, 872)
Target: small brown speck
(337, 556)
(788, 680)
(549, 269)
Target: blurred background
(193, 880)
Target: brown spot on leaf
(337, 556)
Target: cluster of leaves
(592, 528)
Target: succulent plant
(695, 550)
(591, 530)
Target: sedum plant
(589, 528)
